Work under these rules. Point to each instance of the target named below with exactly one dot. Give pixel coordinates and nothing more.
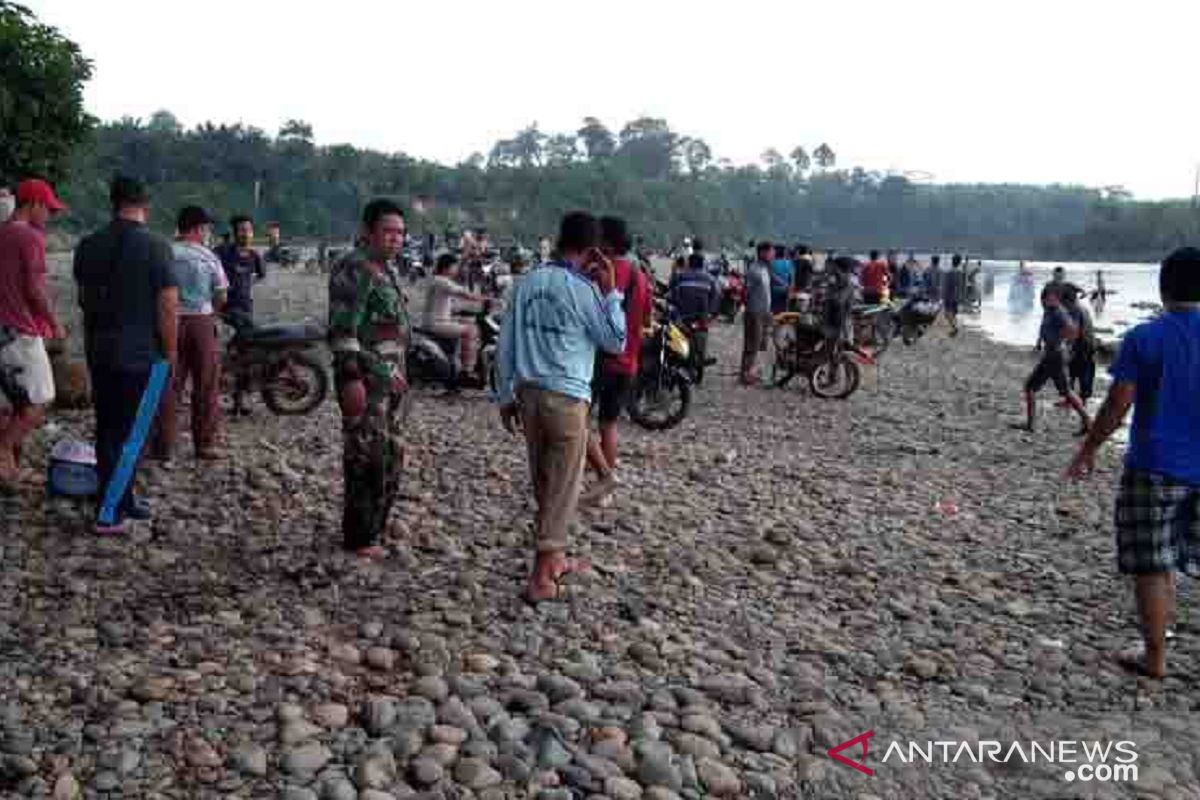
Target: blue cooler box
(72, 470)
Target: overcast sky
(1098, 92)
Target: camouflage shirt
(368, 319)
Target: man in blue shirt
(782, 277)
(560, 314)
(1158, 508)
(1055, 336)
(694, 292)
(696, 296)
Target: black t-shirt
(242, 267)
(120, 271)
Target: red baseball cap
(38, 191)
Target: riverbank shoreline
(777, 575)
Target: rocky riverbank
(779, 574)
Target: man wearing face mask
(368, 334)
(243, 265)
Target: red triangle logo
(862, 739)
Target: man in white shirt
(438, 317)
(203, 290)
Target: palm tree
(824, 156)
(801, 160)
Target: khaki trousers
(556, 435)
(756, 327)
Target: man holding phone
(560, 314)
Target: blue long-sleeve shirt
(551, 331)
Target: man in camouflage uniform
(368, 334)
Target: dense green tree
(598, 141)
(296, 130)
(42, 118)
(649, 147)
(533, 177)
(562, 148)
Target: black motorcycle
(277, 360)
(433, 358)
(914, 317)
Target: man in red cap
(26, 318)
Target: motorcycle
(278, 361)
(873, 326)
(803, 347)
(696, 331)
(433, 358)
(914, 317)
(733, 296)
(662, 392)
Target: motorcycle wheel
(660, 408)
(423, 368)
(835, 380)
(909, 334)
(295, 385)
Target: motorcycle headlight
(678, 342)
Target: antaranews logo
(1103, 762)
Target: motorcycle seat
(283, 332)
(867, 309)
(435, 335)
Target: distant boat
(1020, 293)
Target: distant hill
(666, 184)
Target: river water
(1129, 285)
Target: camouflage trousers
(372, 459)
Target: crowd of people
(143, 299)
(569, 341)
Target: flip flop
(570, 566)
(372, 553)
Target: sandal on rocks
(569, 567)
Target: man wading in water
(1157, 371)
(368, 332)
(1054, 338)
(561, 314)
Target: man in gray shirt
(757, 318)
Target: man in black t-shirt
(129, 296)
(243, 265)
